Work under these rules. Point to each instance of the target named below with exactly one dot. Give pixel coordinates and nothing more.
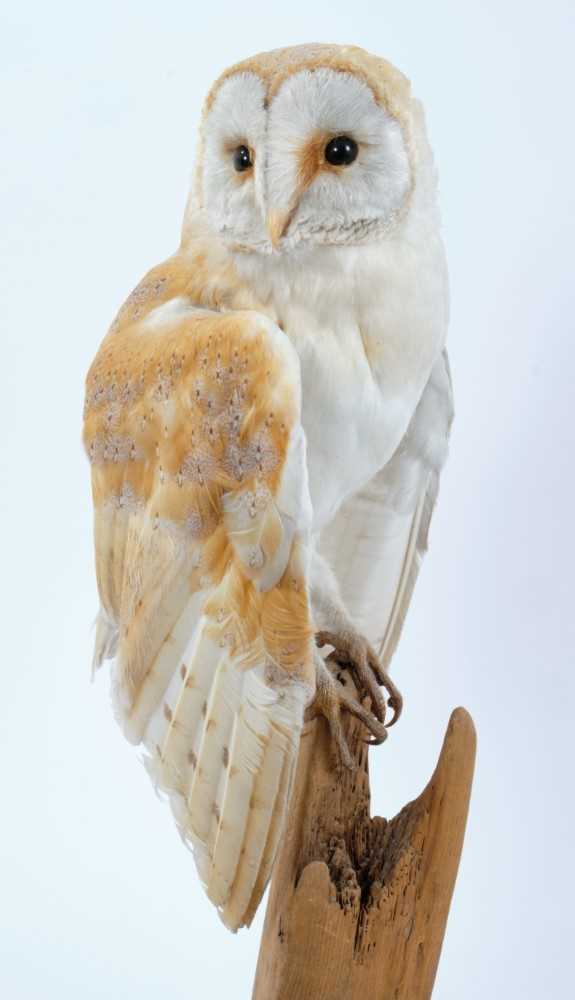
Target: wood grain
(358, 905)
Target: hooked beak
(277, 224)
(310, 162)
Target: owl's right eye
(341, 151)
(242, 158)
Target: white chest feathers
(368, 323)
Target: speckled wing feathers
(201, 516)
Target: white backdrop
(98, 896)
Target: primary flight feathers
(200, 493)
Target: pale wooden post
(358, 906)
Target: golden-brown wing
(201, 516)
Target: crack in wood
(358, 905)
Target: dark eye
(242, 158)
(341, 151)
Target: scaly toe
(373, 724)
(367, 682)
(356, 654)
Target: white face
(323, 163)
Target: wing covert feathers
(201, 517)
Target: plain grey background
(100, 107)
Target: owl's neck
(381, 307)
(384, 303)
(317, 291)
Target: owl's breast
(352, 424)
(368, 324)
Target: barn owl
(266, 422)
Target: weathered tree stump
(358, 906)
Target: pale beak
(277, 223)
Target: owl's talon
(353, 652)
(395, 699)
(331, 697)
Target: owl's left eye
(242, 158)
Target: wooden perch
(358, 906)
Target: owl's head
(315, 144)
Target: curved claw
(369, 674)
(367, 681)
(331, 697)
(395, 700)
(375, 726)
